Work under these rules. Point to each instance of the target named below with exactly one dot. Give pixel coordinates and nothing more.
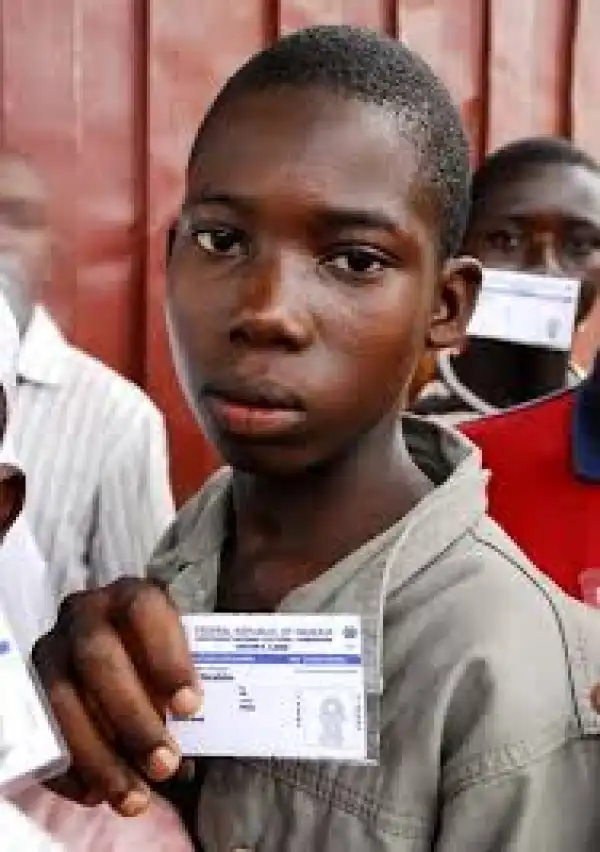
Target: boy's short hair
(513, 158)
(360, 64)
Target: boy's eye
(358, 261)
(227, 242)
(578, 245)
(503, 240)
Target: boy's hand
(115, 662)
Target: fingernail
(186, 702)
(134, 803)
(163, 763)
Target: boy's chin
(270, 462)
(273, 461)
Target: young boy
(536, 208)
(326, 195)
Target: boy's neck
(287, 531)
(506, 374)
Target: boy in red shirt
(545, 484)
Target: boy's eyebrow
(570, 220)
(342, 217)
(223, 199)
(332, 217)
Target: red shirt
(534, 494)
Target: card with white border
(281, 686)
(519, 307)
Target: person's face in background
(24, 236)
(537, 218)
(544, 219)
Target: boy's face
(544, 219)
(304, 284)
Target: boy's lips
(260, 410)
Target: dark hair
(511, 159)
(361, 64)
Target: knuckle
(41, 654)
(48, 656)
(79, 635)
(72, 605)
(134, 595)
(91, 650)
(125, 587)
(78, 612)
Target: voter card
(30, 746)
(519, 307)
(284, 686)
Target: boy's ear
(458, 289)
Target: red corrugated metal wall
(107, 95)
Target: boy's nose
(273, 310)
(543, 256)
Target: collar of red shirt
(585, 446)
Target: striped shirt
(24, 590)
(93, 447)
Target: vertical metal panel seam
(485, 92)
(567, 60)
(75, 219)
(140, 154)
(392, 18)
(272, 21)
(2, 75)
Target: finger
(94, 761)
(99, 718)
(98, 766)
(152, 630)
(71, 786)
(158, 766)
(115, 694)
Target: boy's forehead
(561, 189)
(322, 144)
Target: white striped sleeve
(134, 501)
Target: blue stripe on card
(278, 659)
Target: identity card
(519, 307)
(282, 686)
